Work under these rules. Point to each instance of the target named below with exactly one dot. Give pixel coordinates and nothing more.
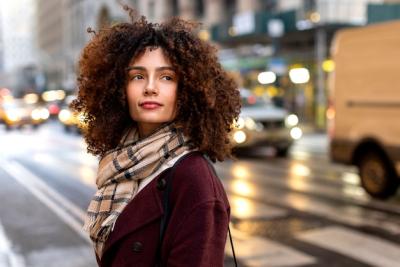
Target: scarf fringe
(99, 227)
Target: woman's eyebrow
(144, 69)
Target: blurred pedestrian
(158, 107)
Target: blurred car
(72, 121)
(54, 100)
(262, 123)
(17, 113)
(54, 108)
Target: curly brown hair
(208, 100)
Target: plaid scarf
(120, 172)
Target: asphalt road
(298, 211)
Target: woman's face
(151, 91)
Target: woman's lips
(150, 105)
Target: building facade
(51, 40)
(62, 33)
(18, 51)
(79, 16)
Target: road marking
(74, 167)
(7, 256)
(290, 182)
(61, 206)
(259, 252)
(246, 209)
(350, 215)
(348, 180)
(363, 247)
(281, 167)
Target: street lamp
(299, 75)
(266, 77)
(328, 65)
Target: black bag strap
(166, 216)
(211, 164)
(166, 208)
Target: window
(309, 5)
(268, 5)
(175, 8)
(199, 8)
(230, 7)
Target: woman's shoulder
(194, 176)
(196, 166)
(193, 160)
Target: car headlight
(247, 122)
(44, 114)
(13, 115)
(64, 115)
(291, 120)
(239, 137)
(240, 123)
(35, 114)
(296, 133)
(250, 123)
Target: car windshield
(17, 104)
(13, 105)
(254, 101)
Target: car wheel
(378, 176)
(282, 151)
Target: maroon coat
(197, 229)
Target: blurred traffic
(16, 113)
(33, 110)
(317, 169)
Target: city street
(299, 211)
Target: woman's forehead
(151, 56)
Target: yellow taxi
(17, 113)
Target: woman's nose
(150, 88)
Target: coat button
(137, 247)
(161, 184)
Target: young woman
(156, 102)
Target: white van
(364, 112)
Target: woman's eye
(136, 77)
(166, 77)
